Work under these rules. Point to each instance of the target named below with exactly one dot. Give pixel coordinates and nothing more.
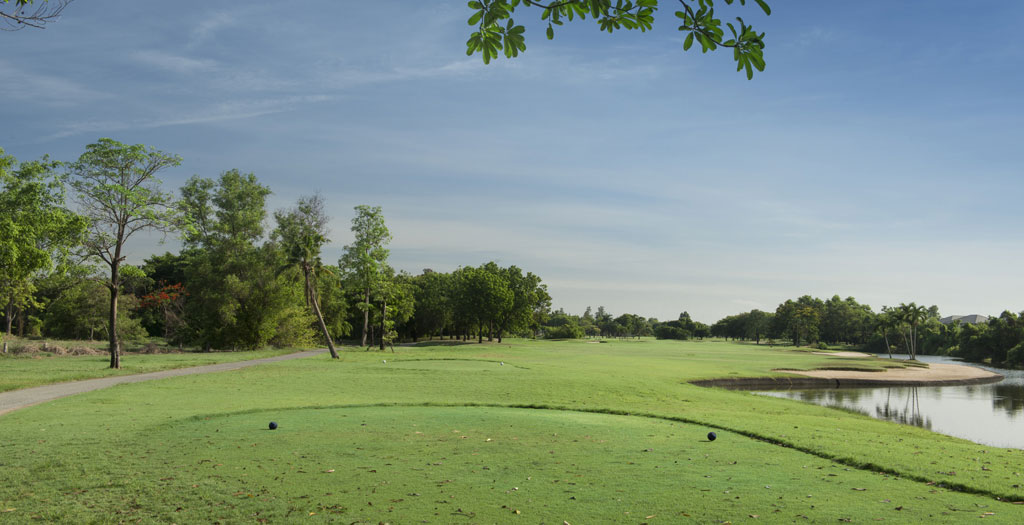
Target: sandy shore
(934, 373)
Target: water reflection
(990, 414)
(910, 414)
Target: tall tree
(365, 260)
(37, 232)
(119, 193)
(302, 231)
(496, 30)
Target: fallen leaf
(329, 470)
(753, 516)
(9, 510)
(859, 489)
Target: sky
(878, 155)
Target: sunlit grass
(616, 426)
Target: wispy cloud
(55, 91)
(174, 63)
(216, 113)
(209, 26)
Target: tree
(302, 231)
(886, 323)
(911, 315)
(481, 295)
(528, 296)
(120, 195)
(433, 303)
(365, 259)
(19, 14)
(496, 30)
(395, 296)
(237, 297)
(37, 233)
(799, 319)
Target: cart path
(15, 399)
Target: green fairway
(28, 371)
(562, 431)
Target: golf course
(524, 431)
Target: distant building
(965, 319)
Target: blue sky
(877, 156)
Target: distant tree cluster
(562, 325)
(907, 328)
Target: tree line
(235, 283)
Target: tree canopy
(497, 31)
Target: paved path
(15, 399)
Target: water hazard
(990, 414)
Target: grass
(28, 370)
(563, 431)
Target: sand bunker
(935, 372)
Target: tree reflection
(909, 413)
(1010, 398)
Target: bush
(822, 346)
(566, 331)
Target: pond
(990, 414)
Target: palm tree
(912, 315)
(302, 232)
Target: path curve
(26, 397)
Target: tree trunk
(887, 347)
(366, 316)
(115, 354)
(311, 298)
(9, 315)
(383, 321)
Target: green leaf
(764, 7)
(473, 20)
(688, 42)
(551, 32)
